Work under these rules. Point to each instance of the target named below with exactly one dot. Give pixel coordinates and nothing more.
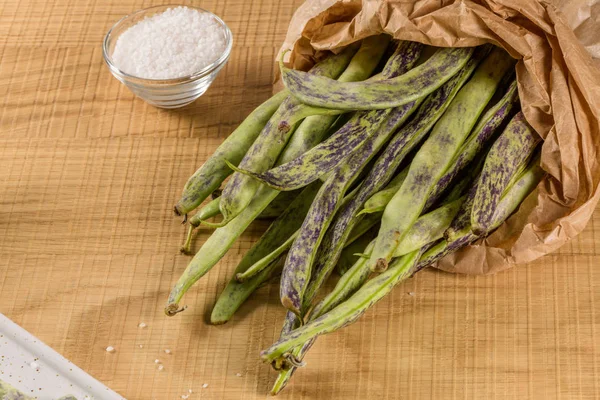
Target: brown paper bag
(559, 88)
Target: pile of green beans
(382, 159)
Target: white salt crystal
(161, 367)
(167, 351)
(185, 396)
(411, 293)
(205, 385)
(34, 365)
(190, 391)
(141, 346)
(110, 349)
(142, 325)
(238, 374)
(175, 43)
(157, 361)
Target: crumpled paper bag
(559, 88)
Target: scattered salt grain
(190, 391)
(411, 293)
(161, 367)
(34, 365)
(175, 43)
(142, 325)
(238, 375)
(185, 396)
(157, 361)
(110, 349)
(141, 346)
(167, 351)
(205, 385)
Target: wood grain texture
(89, 244)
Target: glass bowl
(164, 93)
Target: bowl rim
(182, 79)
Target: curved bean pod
(387, 93)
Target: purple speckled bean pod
(326, 156)
(415, 84)
(506, 157)
(483, 132)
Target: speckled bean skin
(268, 145)
(297, 270)
(508, 153)
(381, 124)
(479, 138)
(436, 155)
(327, 155)
(335, 311)
(384, 168)
(387, 93)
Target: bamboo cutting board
(89, 244)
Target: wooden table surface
(89, 244)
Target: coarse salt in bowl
(168, 55)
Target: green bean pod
(378, 201)
(265, 150)
(283, 227)
(509, 152)
(387, 93)
(360, 68)
(436, 155)
(264, 262)
(429, 227)
(214, 171)
(350, 281)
